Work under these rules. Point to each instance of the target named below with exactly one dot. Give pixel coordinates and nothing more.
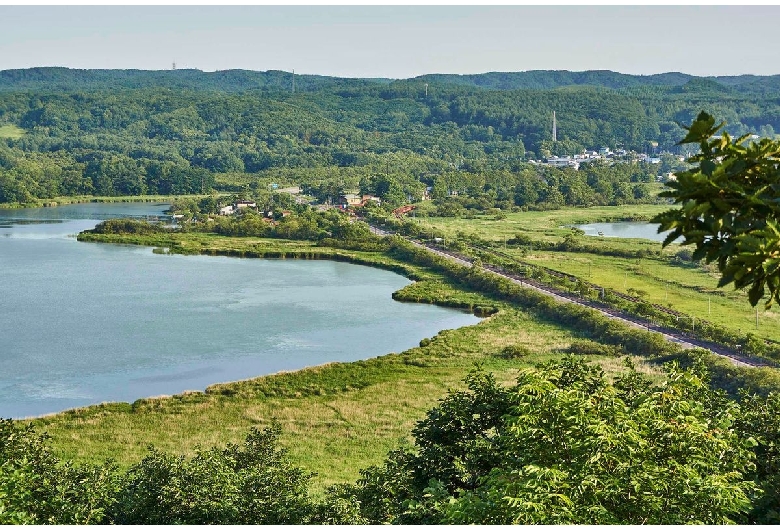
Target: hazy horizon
(395, 42)
(379, 77)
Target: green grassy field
(659, 279)
(544, 224)
(11, 131)
(337, 418)
(690, 289)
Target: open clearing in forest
(11, 131)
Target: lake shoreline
(325, 314)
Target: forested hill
(110, 132)
(549, 79)
(546, 79)
(59, 78)
(66, 79)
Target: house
(244, 204)
(373, 198)
(226, 210)
(350, 199)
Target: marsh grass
(658, 277)
(690, 289)
(336, 419)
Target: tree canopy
(729, 208)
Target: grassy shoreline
(337, 418)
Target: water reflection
(84, 323)
(640, 230)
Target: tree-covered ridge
(124, 132)
(61, 78)
(547, 79)
(68, 79)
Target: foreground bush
(564, 446)
(36, 488)
(252, 483)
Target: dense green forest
(128, 132)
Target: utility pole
(555, 129)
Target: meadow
(658, 275)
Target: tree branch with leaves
(730, 208)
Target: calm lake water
(84, 323)
(624, 229)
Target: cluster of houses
(231, 209)
(605, 153)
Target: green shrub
(589, 347)
(515, 352)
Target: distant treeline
(127, 132)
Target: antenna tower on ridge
(555, 129)
(174, 65)
(293, 81)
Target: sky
(396, 41)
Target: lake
(632, 229)
(85, 323)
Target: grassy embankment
(658, 278)
(338, 418)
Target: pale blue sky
(396, 41)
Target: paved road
(671, 335)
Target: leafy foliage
(36, 488)
(250, 484)
(729, 208)
(563, 446)
(254, 483)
